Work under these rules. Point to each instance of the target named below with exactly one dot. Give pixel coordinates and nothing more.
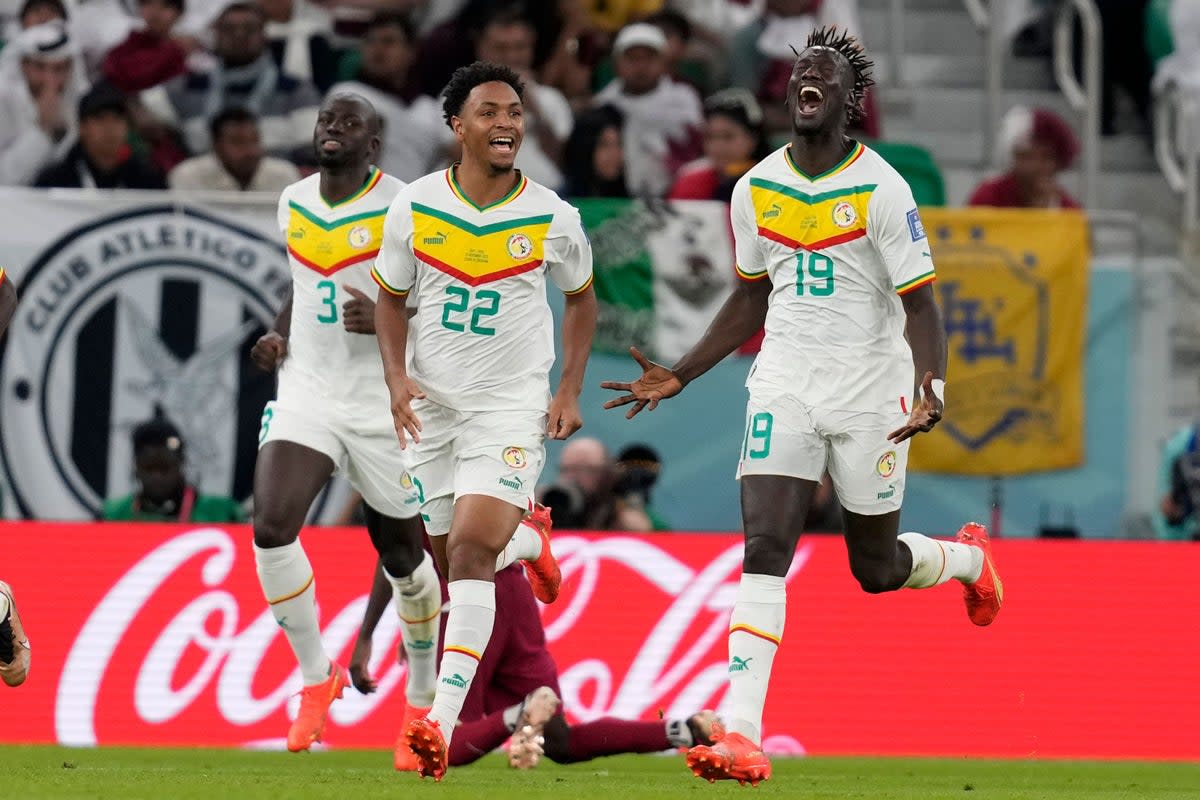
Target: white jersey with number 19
(839, 249)
(483, 328)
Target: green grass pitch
(33, 773)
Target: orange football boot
(732, 757)
(404, 758)
(315, 700)
(429, 746)
(985, 596)
(543, 574)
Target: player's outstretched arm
(391, 331)
(579, 326)
(8, 302)
(377, 603)
(927, 337)
(271, 348)
(740, 317)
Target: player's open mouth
(810, 101)
(503, 144)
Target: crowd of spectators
(214, 94)
(624, 98)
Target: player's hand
(656, 384)
(403, 417)
(360, 676)
(925, 414)
(565, 418)
(269, 351)
(358, 314)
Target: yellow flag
(1013, 286)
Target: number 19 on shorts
(757, 443)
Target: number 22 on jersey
(487, 304)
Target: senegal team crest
(886, 466)
(515, 457)
(519, 246)
(844, 215)
(359, 237)
(154, 307)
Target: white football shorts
(355, 430)
(787, 437)
(494, 453)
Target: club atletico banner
(662, 271)
(1013, 287)
(159, 635)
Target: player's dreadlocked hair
(854, 53)
(467, 78)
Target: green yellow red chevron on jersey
(478, 254)
(330, 245)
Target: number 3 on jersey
(329, 301)
(487, 305)
(820, 267)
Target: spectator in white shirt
(415, 138)
(663, 117)
(509, 39)
(300, 36)
(237, 162)
(244, 74)
(40, 85)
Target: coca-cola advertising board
(157, 635)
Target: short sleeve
(395, 267)
(894, 226)
(751, 266)
(282, 213)
(569, 253)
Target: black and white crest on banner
(153, 307)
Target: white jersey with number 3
(839, 249)
(484, 338)
(330, 247)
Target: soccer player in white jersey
(331, 413)
(834, 259)
(474, 245)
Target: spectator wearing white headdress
(41, 82)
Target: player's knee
(874, 577)
(273, 529)
(557, 744)
(766, 555)
(401, 553)
(471, 560)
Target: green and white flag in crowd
(662, 271)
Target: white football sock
(755, 629)
(936, 561)
(288, 584)
(525, 545)
(418, 602)
(468, 629)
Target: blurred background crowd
(671, 98)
